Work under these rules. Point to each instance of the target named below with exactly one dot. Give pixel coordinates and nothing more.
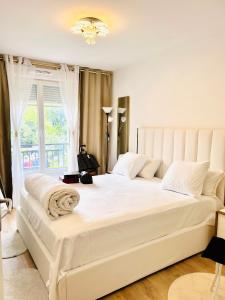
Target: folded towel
(57, 198)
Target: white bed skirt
(104, 276)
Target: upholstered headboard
(171, 144)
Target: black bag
(85, 178)
(86, 162)
(215, 250)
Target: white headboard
(171, 144)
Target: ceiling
(138, 28)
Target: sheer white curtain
(20, 79)
(68, 83)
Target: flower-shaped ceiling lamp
(90, 28)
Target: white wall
(183, 86)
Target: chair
(3, 199)
(216, 252)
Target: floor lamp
(107, 110)
(121, 123)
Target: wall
(183, 86)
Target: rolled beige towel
(56, 197)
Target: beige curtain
(5, 136)
(95, 92)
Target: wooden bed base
(104, 276)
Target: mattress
(113, 215)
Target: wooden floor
(153, 287)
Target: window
(44, 133)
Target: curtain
(5, 138)
(95, 92)
(20, 80)
(68, 83)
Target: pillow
(130, 164)
(186, 177)
(212, 180)
(150, 168)
(220, 192)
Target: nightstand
(221, 223)
(1, 275)
(221, 234)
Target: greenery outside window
(44, 133)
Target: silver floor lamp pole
(107, 110)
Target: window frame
(40, 83)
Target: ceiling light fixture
(90, 28)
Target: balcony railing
(55, 156)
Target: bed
(121, 228)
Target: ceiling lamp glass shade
(90, 28)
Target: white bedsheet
(114, 214)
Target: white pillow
(150, 168)
(130, 164)
(212, 180)
(185, 177)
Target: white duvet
(113, 215)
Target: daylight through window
(44, 133)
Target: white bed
(120, 229)
(115, 214)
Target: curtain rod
(51, 65)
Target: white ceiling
(139, 28)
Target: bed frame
(104, 276)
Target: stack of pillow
(186, 177)
(192, 178)
(132, 165)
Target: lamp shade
(110, 119)
(121, 110)
(123, 119)
(107, 109)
